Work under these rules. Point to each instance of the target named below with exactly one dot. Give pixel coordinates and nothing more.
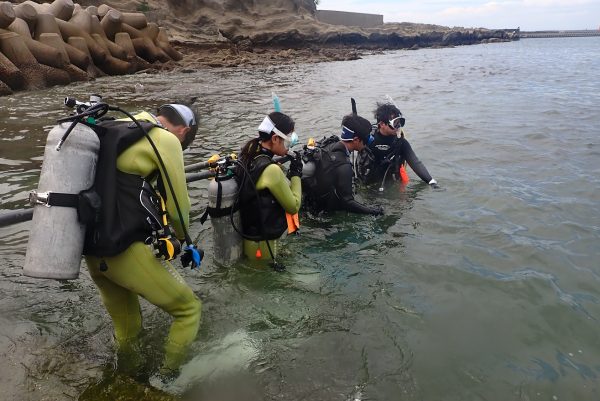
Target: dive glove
(192, 255)
(434, 184)
(295, 166)
(377, 210)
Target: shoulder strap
(259, 164)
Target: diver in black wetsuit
(330, 187)
(383, 158)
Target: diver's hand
(377, 210)
(191, 255)
(433, 183)
(296, 166)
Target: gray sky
(528, 14)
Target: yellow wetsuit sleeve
(287, 193)
(141, 159)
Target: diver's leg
(138, 270)
(122, 304)
(258, 250)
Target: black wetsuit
(332, 183)
(391, 152)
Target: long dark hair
(251, 149)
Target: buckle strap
(53, 199)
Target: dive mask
(267, 126)
(349, 135)
(397, 122)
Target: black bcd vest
(263, 218)
(130, 209)
(326, 157)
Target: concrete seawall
(559, 34)
(350, 19)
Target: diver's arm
(288, 194)
(343, 189)
(169, 148)
(415, 164)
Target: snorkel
(349, 135)
(291, 139)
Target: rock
(245, 45)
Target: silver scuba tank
(227, 243)
(308, 169)
(56, 237)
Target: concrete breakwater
(560, 34)
(61, 42)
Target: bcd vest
(129, 209)
(373, 161)
(263, 218)
(326, 155)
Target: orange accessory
(293, 222)
(258, 254)
(403, 175)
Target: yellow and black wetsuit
(263, 208)
(135, 272)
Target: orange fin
(293, 222)
(403, 175)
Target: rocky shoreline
(245, 53)
(246, 33)
(267, 32)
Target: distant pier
(558, 34)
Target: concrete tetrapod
(76, 57)
(90, 24)
(37, 76)
(162, 41)
(27, 13)
(78, 43)
(5, 89)
(7, 14)
(144, 46)
(43, 54)
(67, 30)
(113, 65)
(10, 74)
(61, 9)
(56, 42)
(123, 40)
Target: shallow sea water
(488, 289)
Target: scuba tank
(309, 167)
(67, 199)
(222, 195)
(56, 238)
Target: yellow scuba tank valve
(166, 246)
(213, 159)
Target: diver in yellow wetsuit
(135, 271)
(266, 194)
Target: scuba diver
(265, 194)
(120, 261)
(331, 186)
(385, 156)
